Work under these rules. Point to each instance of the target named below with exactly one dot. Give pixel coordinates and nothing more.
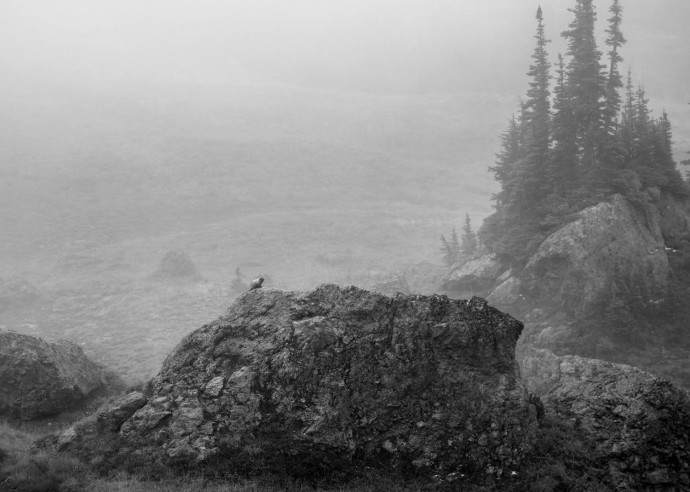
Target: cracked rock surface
(635, 422)
(42, 379)
(310, 380)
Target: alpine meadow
(356, 245)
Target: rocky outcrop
(675, 219)
(41, 379)
(637, 424)
(475, 276)
(111, 416)
(506, 293)
(311, 382)
(176, 265)
(574, 268)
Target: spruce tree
(612, 154)
(450, 249)
(614, 81)
(628, 118)
(469, 238)
(642, 141)
(586, 83)
(506, 160)
(562, 170)
(536, 122)
(663, 156)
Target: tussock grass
(561, 461)
(24, 468)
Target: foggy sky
(370, 45)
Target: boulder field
(316, 383)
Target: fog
(380, 46)
(308, 141)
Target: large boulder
(636, 424)
(574, 269)
(311, 382)
(477, 276)
(42, 379)
(176, 265)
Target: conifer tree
(450, 249)
(663, 156)
(586, 83)
(562, 170)
(628, 119)
(614, 81)
(469, 238)
(642, 141)
(612, 154)
(506, 160)
(536, 123)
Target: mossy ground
(561, 461)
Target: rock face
(573, 268)
(635, 422)
(41, 379)
(176, 264)
(310, 381)
(476, 276)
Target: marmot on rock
(256, 283)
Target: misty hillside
(433, 261)
(107, 167)
(303, 186)
(306, 144)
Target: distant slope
(85, 168)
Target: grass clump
(43, 471)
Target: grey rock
(635, 422)
(336, 375)
(176, 265)
(506, 293)
(476, 275)
(111, 416)
(41, 379)
(572, 269)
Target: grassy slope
(302, 186)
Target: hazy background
(305, 140)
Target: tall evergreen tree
(663, 156)
(536, 122)
(586, 83)
(469, 238)
(562, 170)
(506, 160)
(628, 120)
(612, 155)
(450, 249)
(614, 81)
(642, 142)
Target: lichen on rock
(309, 381)
(636, 424)
(41, 379)
(572, 270)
